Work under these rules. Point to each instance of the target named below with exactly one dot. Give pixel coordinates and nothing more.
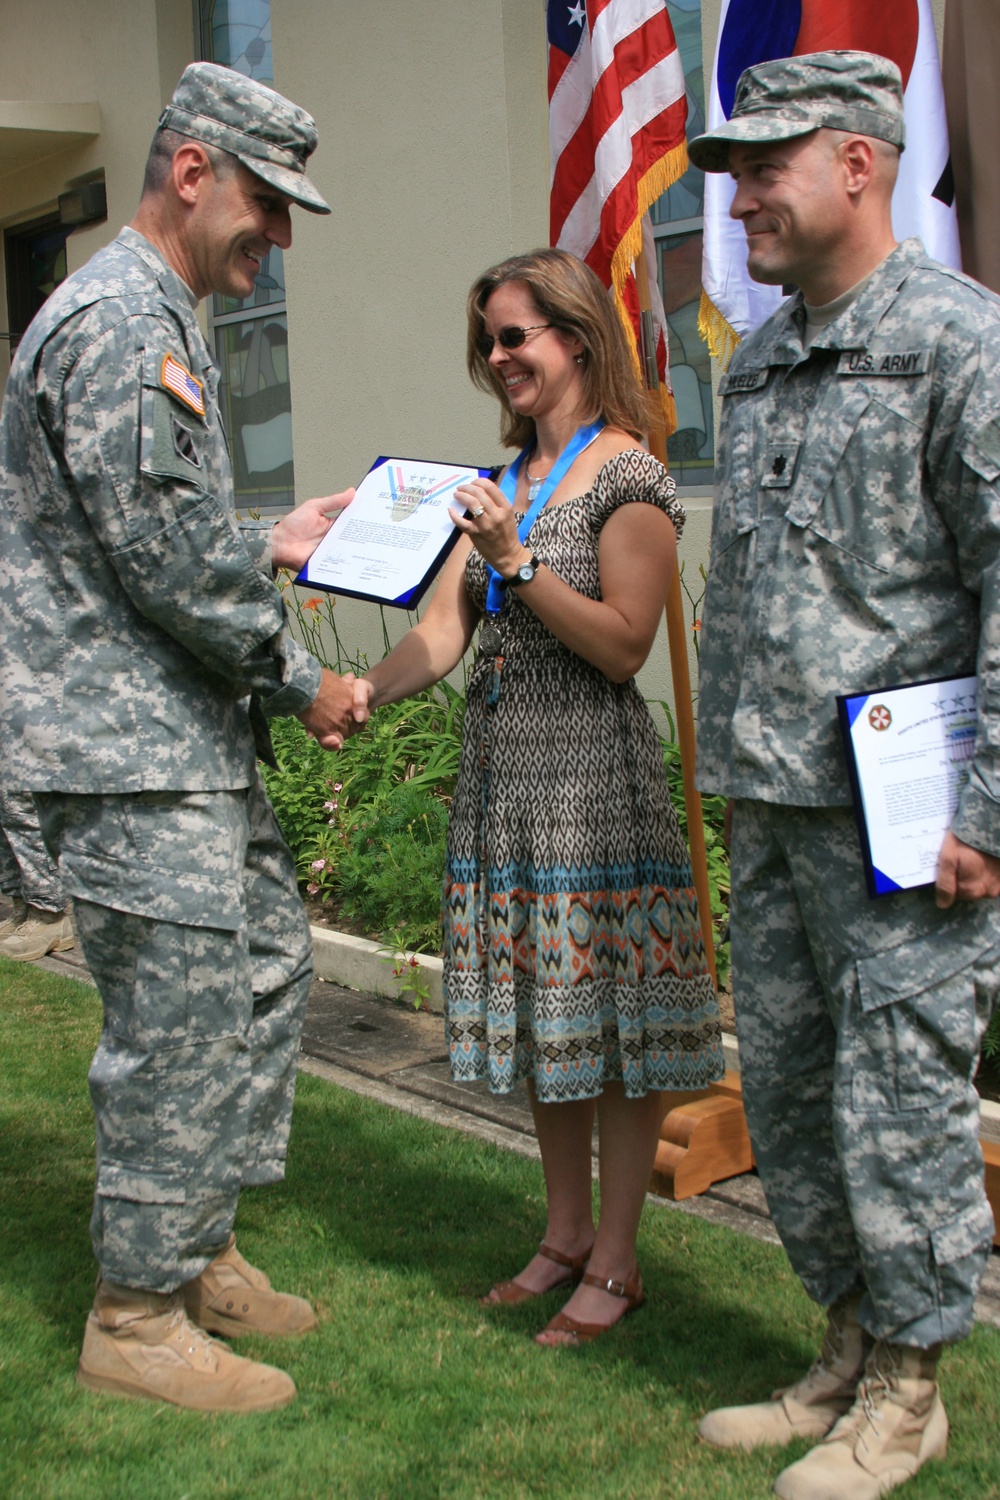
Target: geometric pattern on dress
(573, 949)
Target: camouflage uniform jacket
(136, 619)
(856, 535)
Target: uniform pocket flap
(137, 1185)
(964, 1235)
(886, 978)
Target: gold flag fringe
(657, 180)
(717, 333)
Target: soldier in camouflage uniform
(856, 545)
(143, 645)
(39, 922)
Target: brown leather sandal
(631, 1293)
(509, 1292)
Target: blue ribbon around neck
(583, 438)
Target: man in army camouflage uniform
(856, 545)
(39, 921)
(143, 645)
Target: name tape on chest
(884, 362)
(744, 380)
(182, 384)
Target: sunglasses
(507, 338)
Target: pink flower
(312, 889)
(318, 864)
(338, 786)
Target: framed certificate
(391, 540)
(909, 751)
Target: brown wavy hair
(571, 297)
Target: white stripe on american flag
(571, 99)
(642, 102)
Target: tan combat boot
(232, 1297)
(141, 1345)
(41, 932)
(896, 1424)
(18, 912)
(809, 1408)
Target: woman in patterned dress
(573, 953)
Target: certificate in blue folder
(909, 753)
(389, 543)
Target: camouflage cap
(270, 135)
(793, 96)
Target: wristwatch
(525, 573)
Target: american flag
(183, 384)
(617, 111)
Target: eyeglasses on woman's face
(508, 338)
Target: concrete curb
(359, 964)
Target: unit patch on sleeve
(182, 384)
(884, 362)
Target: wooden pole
(680, 671)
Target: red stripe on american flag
(634, 55)
(622, 207)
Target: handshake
(339, 709)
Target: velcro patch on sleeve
(182, 384)
(884, 362)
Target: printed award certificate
(395, 534)
(909, 750)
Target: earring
(578, 358)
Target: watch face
(526, 572)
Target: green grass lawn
(409, 1388)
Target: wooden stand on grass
(703, 1139)
(991, 1156)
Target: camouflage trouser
(25, 867)
(192, 927)
(859, 1025)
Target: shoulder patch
(179, 381)
(884, 362)
(745, 380)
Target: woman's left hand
(490, 525)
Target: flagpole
(680, 670)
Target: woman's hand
(490, 525)
(363, 694)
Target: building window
(251, 336)
(35, 259)
(678, 223)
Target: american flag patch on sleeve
(182, 384)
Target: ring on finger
(479, 511)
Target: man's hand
(964, 873)
(297, 535)
(329, 719)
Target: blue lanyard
(583, 438)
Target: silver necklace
(534, 485)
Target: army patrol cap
(792, 96)
(271, 136)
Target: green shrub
(390, 868)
